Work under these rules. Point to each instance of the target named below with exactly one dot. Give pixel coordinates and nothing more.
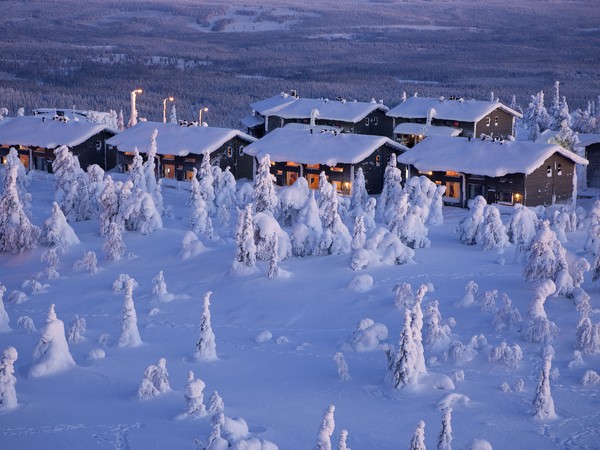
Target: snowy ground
(280, 389)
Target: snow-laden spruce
(326, 430)
(342, 366)
(507, 316)
(76, 330)
(418, 440)
(493, 231)
(342, 445)
(114, 247)
(207, 183)
(245, 248)
(522, 229)
(4, 319)
(291, 200)
(366, 336)
(445, 437)
(543, 403)
(359, 256)
(130, 335)
(471, 290)
(57, 232)
(72, 185)
(159, 288)
(225, 199)
(405, 297)
(51, 354)
(264, 197)
(194, 396)
(469, 227)
(403, 365)
(360, 197)
(506, 356)
(273, 270)
(539, 329)
(8, 381)
(152, 187)
(307, 232)
(543, 256)
(417, 327)
(215, 403)
(336, 237)
(392, 179)
(155, 380)
(89, 262)
(17, 233)
(206, 348)
(436, 335)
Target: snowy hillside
(276, 339)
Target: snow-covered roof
(328, 148)
(424, 130)
(72, 114)
(477, 157)
(173, 139)
(459, 110)
(586, 139)
(253, 121)
(289, 107)
(37, 132)
(315, 128)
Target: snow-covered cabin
(502, 171)
(590, 147)
(351, 116)
(419, 117)
(180, 148)
(35, 139)
(306, 151)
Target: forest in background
(225, 55)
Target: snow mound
(191, 246)
(436, 381)
(96, 354)
(366, 336)
(451, 400)
(263, 336)
(361, 283)
(478, 444)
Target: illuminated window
(292, 164)
(229, 152)
(336, 169)
(313, 166)
(168, 156)
(451, 173)
(377, 160)
(453, 189)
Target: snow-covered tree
(403, 370)
(159, 286)
(200, 221)
(245, 253)
(336, 237)
(392, 184)
(76, 330)
(580, 267)
(508, 356)
(4, 319)
(8, 381)
(522, 229)
(542, 259)
(566, 137)
(507, 316)
(445, 437)
(417, 327)
(114, 247)
(206, 348)
(326, 430)
(487, 301)
(109, 201)
(307, 232)
(215, 403)
(17, 233)
(493, 231)
(471, 290)
(274, 257)
(537, 114)
(404, 296)
(136, 171)
(539, 328)
(194, 395)
(418, 440)
(207, 183)
(173, 115)
(152, 186)
(543, 403)
(264, 196)
(359, 256)
(342, 445)
(342, 366)
(436, 216)
(51, 354)
(436, 334)
(413, 232)
(89, 262)
(130, 335)
(22, 179)
(225, 200)
(155, 381)
(57, 232)
(469, 227)
(360, 196)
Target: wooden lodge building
(419, 117)
(349, 116)
(306, 151)
(590, 143)
(505, 172)
(180, 148)
(35, 139)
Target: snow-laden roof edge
(327, 148)
(173, 139)
(477, 157)
(33, 131)
(459, 110)
(425, 130)
(588, 139)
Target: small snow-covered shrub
(590, 377)
(507, 315)
(459, 375)
(27, 323)
(519, 385)
(367, 335)
(17, 297)
(506, 356)
(361, 283)
(119, 283)
(191, 245)
(76, 330)
(342, 366)
(96, 354)
(505, 387)
(404, 296)
(468, 299)
(89, 262)
(388, 248)
(155, 381)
